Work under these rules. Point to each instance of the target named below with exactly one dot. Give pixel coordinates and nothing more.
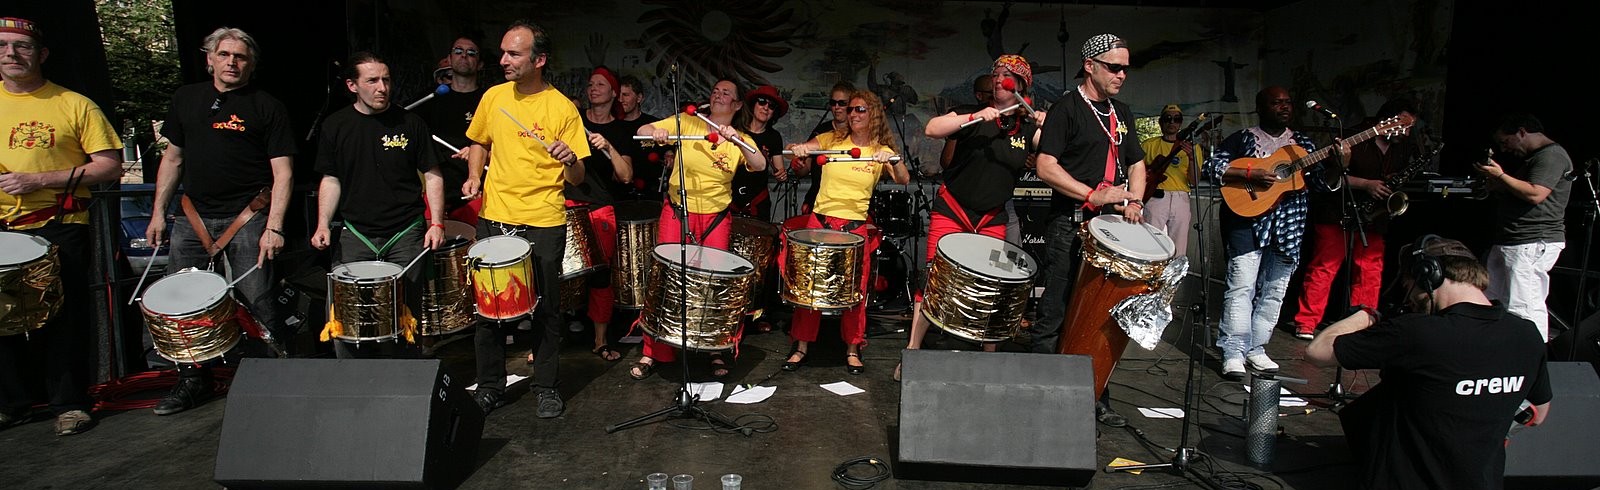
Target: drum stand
(685, 403)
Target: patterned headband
(1097, 45)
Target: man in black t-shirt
(1453, 378)
(369, 158)
(232, 147)
(646, 184)
(1089, 155)
(448, 115)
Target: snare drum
(446, 294)
(365, 300)
(191, 316)
(757, 242)
(1120, 259)
(978, 287)
(822, 269)
(459, 229)
(636, 236)
(713, 286)
(502, 277)
(581, 255)
(30, 282)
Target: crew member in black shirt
(369, 158)
(233, 148)
(448, 115)
(609, 166)
(1454, 375)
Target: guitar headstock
(1396, 125)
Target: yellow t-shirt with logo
(524, 183)
(46, 130)
(1178, 172)
(846, 188)
(710, 172)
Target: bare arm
(477, 158)
(433, 188)
(1050, 171)
(1521, 189)
(1320, 352)
(282, 188)
(166, 182)
(327, 202)
(103, 166)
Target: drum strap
(850, 224)
(750, 209)
(961, 213)
(379, 251)
(261, 200)
(715, 220)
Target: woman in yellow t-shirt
(841, 204)
(707, 182)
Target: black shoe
(190, 392)
(1105, 415)
(795, 365)
(550, 404)
(854, 370)
(488, 399)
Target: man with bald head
(1262, 251)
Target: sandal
(606, 352)
(855, 370)
(641, 370)
(719, 367)
(794, 365)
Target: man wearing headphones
(1454, 375)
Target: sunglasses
(838, 103)
(1175, 119)
(468, 52)
(1112, 67)
(856, 108)
(763, 101)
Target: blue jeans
(254, 291)
(1256, 283)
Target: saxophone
(1398, 202)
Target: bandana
(21, 26)
(1018, 65)
(1098, 45)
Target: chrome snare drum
(447, 287)
(757, 242)
(191, 316)
(713, 287)
(822, 269)
(365, 301)
(30, 282)
(636, 236)
(978, 287)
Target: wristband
(436, 225)
(279, 233)
(970, 117)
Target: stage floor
(816, 429)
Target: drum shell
(1105, 277)
(447, 292)
(367, 308)
(757, 242)
(30, 291)
(715, 300)
(503, 289)
(636, 237)
(581, 254)
(822, 276)
(206, 333)
(973, 305)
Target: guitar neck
(1317, 156)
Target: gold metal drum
(822, 269)
(709, 292)
(978, 287)
(581, 255)
(447, 288)
(365, 298)
(757, 242)
(191, 316)
(30, 282)
(636, 236)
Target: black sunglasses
(1113, 67)
(1176, 119)
(468, 52)
(856, 108)
(763, 101)
(838, 103)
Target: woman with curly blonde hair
(841, 204)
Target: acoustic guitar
(1249, 199)
(1157, 171)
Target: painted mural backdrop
(924, 55)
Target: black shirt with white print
(376, 159)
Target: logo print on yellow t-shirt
(396, 141)
(233, 123)
(33, 135)
(720, 161)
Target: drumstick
(823, 160)
(424, 253)
(673, 137)
(853, 152)
(241, 277)
(525, 129)
(691, 110)
(446, 145)
(152, 262)
(972, 119)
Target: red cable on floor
(117, 394)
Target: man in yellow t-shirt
(532, 138)
(1168, 207)
(57, 145)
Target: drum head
(988, 256)
(499, 250)
(21, 248)
(637, 211)
(370, 270)
(454, 229)
(1132, 240)
(184, 293)
(704, 259)
(753, 227)
(826, 238)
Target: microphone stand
(685, 403)
(1354, 229)
(1583, 271)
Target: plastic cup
(732, 481)
(656, 481)
(683, 482)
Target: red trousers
(670, 230)
(940, 225)
(805, 323)
(1327, 255)
(603, 220)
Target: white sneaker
(1233, 369)
(1262, 363)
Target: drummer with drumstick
(369, 157)
(61, 144)
(706, 178)
(609, 166)
(841, 204)
(992, 148)
(533, 135)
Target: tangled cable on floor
(841, 473)
(118, 394)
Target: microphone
(440, 90)
(1194, 125)
(1313, 105)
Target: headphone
(1425, 268)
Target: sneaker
(550, 404)
(1261, 362)
(488, 399)
(1305, 335)
(73, 422)
(188, 393)
(574, 326)
(1233, 369)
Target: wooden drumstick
(530, 132)
(146, 273)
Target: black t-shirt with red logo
(228, 141)
(376, 159)
(1451, 383)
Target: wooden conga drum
(1120, 259)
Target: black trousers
(548, 244)
(62, 352)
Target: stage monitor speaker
(1561, 452)
(996, 417)
(1587, 335)
(346, 423)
